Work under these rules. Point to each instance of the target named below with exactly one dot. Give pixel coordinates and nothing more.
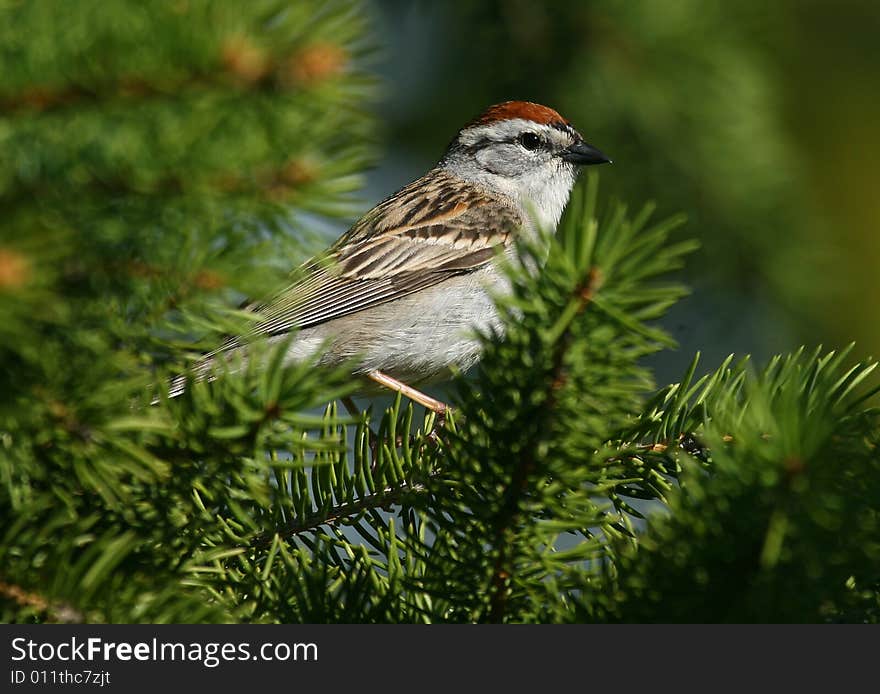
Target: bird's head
(524, 151)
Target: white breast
(417, 338)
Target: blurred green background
(760, 121)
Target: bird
(404, 294)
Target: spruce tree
(161, 162)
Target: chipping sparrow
(403, 290)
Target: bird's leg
(441, 408)
(418, 396)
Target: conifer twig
(510, 510)
(389, 495)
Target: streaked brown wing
(414, 240)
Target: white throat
(544, 197)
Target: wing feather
(432, 230)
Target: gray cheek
(504, 159)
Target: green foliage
(195, 95)
(159, 162)
(786, 527)
(163, 160)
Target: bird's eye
(530, 141)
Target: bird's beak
(582, 154)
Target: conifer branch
(509, 512)
(388, 496)
(241, 65)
